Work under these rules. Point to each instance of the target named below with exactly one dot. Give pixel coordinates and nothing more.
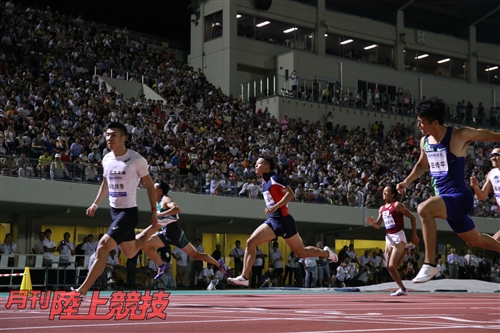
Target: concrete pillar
(399, 45)
(319, 32)
(471, 66)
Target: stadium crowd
(54, 110)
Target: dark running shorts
(124, 222)
(458, 207)
(282, 226)
(172, 234)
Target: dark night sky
(165, 18)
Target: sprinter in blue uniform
(442, 152)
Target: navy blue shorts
(172, 234)
(458, 207)
(124, 222)
(282, 226)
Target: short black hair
(118, 126)
(432, 109)
(393, 189)
(163, 186)
(269, 160)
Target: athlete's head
(389, 194)
(116, 135)
(495, 157)
(264, 164)
(162, 187)
(430, 112)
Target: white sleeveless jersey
(494, 177)
(123, 174)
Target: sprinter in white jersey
(172, 234)
(492, 182)
(123, 168)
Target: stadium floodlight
(422, 56)
(371, 46)
(346, 42)
(262, 24)
(444, 60)
(491, 69)
(289, 30)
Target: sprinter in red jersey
(277, 194)
(392, 213)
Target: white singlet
(494, 177)
(123, 174)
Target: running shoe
(212, 284)
(161, 270)
(76, 291)
(238, 281)
(400, 292)
(332, 256)
(223, 268)
(426, 273)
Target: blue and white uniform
(448, 181)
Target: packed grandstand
(200, 140)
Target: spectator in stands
(38, 246)
(443, 273)
(49, 247)
(44, 163)
(8, 248)
(484, 269)
(58, 169)
(65, 248)
(205, 275)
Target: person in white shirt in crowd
(244, 188)
(443, 274)
(350, 252)
(38, 246)
(8, 248)
(205, 276)
(471, 264)
(257, 268)
(49, 247)
(364, 259)
(343, 276)
(237, 254)
(182, 259)
(111, 264)
(276, 258)
(65, 248)
(290, 268)
(89, 247)
(453, 263)
(310, 268)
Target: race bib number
(388, 220)
(268, 198)
(437, 163)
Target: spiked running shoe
(400, 292)
(223, 268)
(426, 273)
(238, 281)
(332, 256)
(161, 270)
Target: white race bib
(268, 198)
(388, 220)
(437, 163)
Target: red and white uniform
(494, 177)
(394, 224)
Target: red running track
(286, 312)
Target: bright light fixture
(262, 24)
(444, 60)
(326, 35)
(346, 42)
(491, 69)
(422, 56)
(289, 30)
(238, 16)
(371, 46)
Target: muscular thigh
(434, 207)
